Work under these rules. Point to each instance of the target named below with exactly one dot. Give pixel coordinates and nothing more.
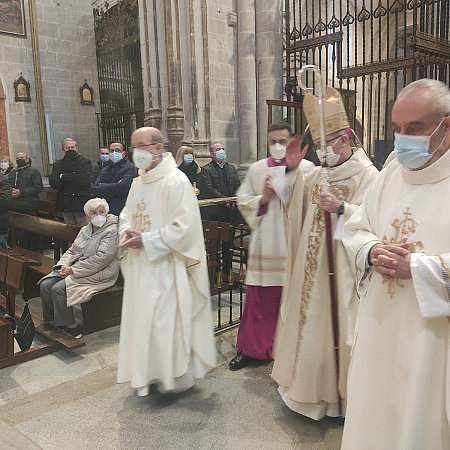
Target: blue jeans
(4, 240)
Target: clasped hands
(65, 271)
(131, 239)
(391, 261)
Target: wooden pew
(105, 307)
(12, 273)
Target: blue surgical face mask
(413, 151)
(188, 158)
(221, 155)
(104, 158)
(115, 157)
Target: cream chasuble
(166, 333)
(267, 249)
(399, 384)
(304, 352)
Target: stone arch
(4, 145)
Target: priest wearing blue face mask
(114, 180)
(399, 243)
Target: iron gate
(119, 72)
(369, 50)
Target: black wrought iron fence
(226, 272)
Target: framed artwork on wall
(12, 18)
(22, 89)
(86, 94)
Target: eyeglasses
(318, 145)
(143, 146)
(281, 141)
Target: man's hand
(131, 239)
(267, 190)
(329, 202)
(293, 153)
(15, 193)
(65, 271)
(391, 261)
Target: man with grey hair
(399, 242)
(71, 177)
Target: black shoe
(76, 332)
(239, 362)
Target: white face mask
(4, 165)
(98, 221)
(277, 151)
(143, 159)
(330, 157)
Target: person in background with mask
(6, 165)
(398, 240)
(71, 177)
(114, 180)
(304, 365)
(265, 277)
(186, 163)
(90, 265)
(101, 163)
(26, 182)
(220, 179)
(166, 331)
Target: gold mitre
(333, 109)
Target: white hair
(438, 91)
(94, 203)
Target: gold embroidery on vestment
(403, 230)
(316, 234)
(141, 220)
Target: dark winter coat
(98, 167)
(5, 203)
(29, 181)
(219, 182)
(107, 185)
(191, 171)
(72, 179)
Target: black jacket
(107, 185)
(219, 182)
(72, 179)
(191, 171)
(98, 167)
(29, 181)
(5, 202)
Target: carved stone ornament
(86, 94)
(22, 89)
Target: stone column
(175, 116)
(248, 123)
(269, 60)
(4, 145)
(152, 34)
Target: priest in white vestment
(399, 241)
(265, 276)
(304, 364)
(166, 333)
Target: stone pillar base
(153, 118)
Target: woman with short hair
(90, 265)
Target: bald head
(149, 139)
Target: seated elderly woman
(90, 265)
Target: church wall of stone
(222, 50)
(67, 57)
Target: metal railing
(227, 283)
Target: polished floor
(71, 401)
